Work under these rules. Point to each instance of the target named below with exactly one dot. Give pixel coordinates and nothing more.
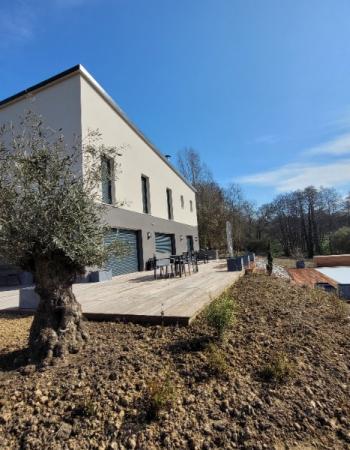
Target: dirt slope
(97, 400)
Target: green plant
(278, 369)
(216, 360)
(340, 240)
(161, 393)
(220, 314)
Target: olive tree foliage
(51, 223)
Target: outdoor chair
(202, 255)
(179, 265)
(165, 267)
(190, 260)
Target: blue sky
(261, 88)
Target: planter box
(234, 264)
(100, 275)
(300, 264)
(28, 298)
(25, 278)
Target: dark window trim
(146, 197)
(182, 201)
(169, 197)
(191, 205)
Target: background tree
(216, 205)
(51, 224)
(341, 240)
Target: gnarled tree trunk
(58, 326)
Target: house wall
(59, 104)
(138, 159)
(144, 224)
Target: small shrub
(161, 393)
(216, 360)
(269, 265)
(87, 408)
(220, 314)
(279, 369)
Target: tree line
(299, 223)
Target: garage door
(123, 264)
(164, 246)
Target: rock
(297, 426)
(309, 391)
(27, 370)
(219, 426)
(5, 417)
(64, 431)
(131, 444)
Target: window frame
(145, 192)
(191, 205)
(109, 179)
(182, 201)
(169, 196)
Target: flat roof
(82, 71)
(340, 274)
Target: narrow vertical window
(191, 206)
(107, 175)
(169, 197)
(145, 194)
(182, 201)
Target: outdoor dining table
(175, 265)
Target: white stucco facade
(75, 103)
(137, 159)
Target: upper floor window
(191, 205)
(107, 179)
(169, 198)
(182, 201)
(145, 194)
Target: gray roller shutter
(164, 245)
(123, 264)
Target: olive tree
(51, 223)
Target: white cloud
(20, 19)
(16, 23)
(298, 176)
(335, 147)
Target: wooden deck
(139, 298)
(309, 277)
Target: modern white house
(159, 215)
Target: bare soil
(99, 398)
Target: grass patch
(216, 360)
(87, 408)
(341, 309)
(160, 395)
(220, 314)
(279, 369)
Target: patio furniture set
(177, 265)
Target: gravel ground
(277, 270)
(97, 399)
